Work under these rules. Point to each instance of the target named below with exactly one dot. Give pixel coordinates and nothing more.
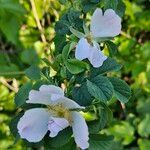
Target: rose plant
(65, 104)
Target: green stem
(35, 14)
(95, 103)
(78, 109)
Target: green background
(21, 44)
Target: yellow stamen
(59, 110)
(89, 39)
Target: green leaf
(45, 72)
(75, 66)
(109, 65)
(9, 71)
(144, 126)
(106, 116)
(61, 139)
(120, 8)
(36, 145)
(66, 51)
(70, 19)
(33, 72)
(144, 144)
(71, 145)
(145, 50)
(123, 132)
(77, 33)
(110, 4)
(60, 42)
(3, 59)
(63, 72)
(121, 89)
(23, 93)
(117, 5)
(100, 88)
(143, 105)
(12, 7)
(89, 5)
(81, 95)
(113, 49)
(142, 22)
(50, 64)
(94, 126)
(13, 126)
(98, 142)
(11, 10)
(38, 84)
(10, 33)
(29, 56)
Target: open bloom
(35, 122)
(102, 26)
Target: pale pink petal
(80, 130)
(33, 125)
(46, 95)
(56, 92)
(105, 25)
(96, 57)
(38, 97)
(82, 49)
(57, 124)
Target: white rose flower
(102, 26)
(35, 122)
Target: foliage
(23, 42)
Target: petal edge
(82, 49)
(80, 130)
(32, 126)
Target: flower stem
(37, 20)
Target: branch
(4, 82)
(125, 35)
(37, 20)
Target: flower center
(89, 39)
(59, 110)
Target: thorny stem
(37, 20)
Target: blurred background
(25, 27)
